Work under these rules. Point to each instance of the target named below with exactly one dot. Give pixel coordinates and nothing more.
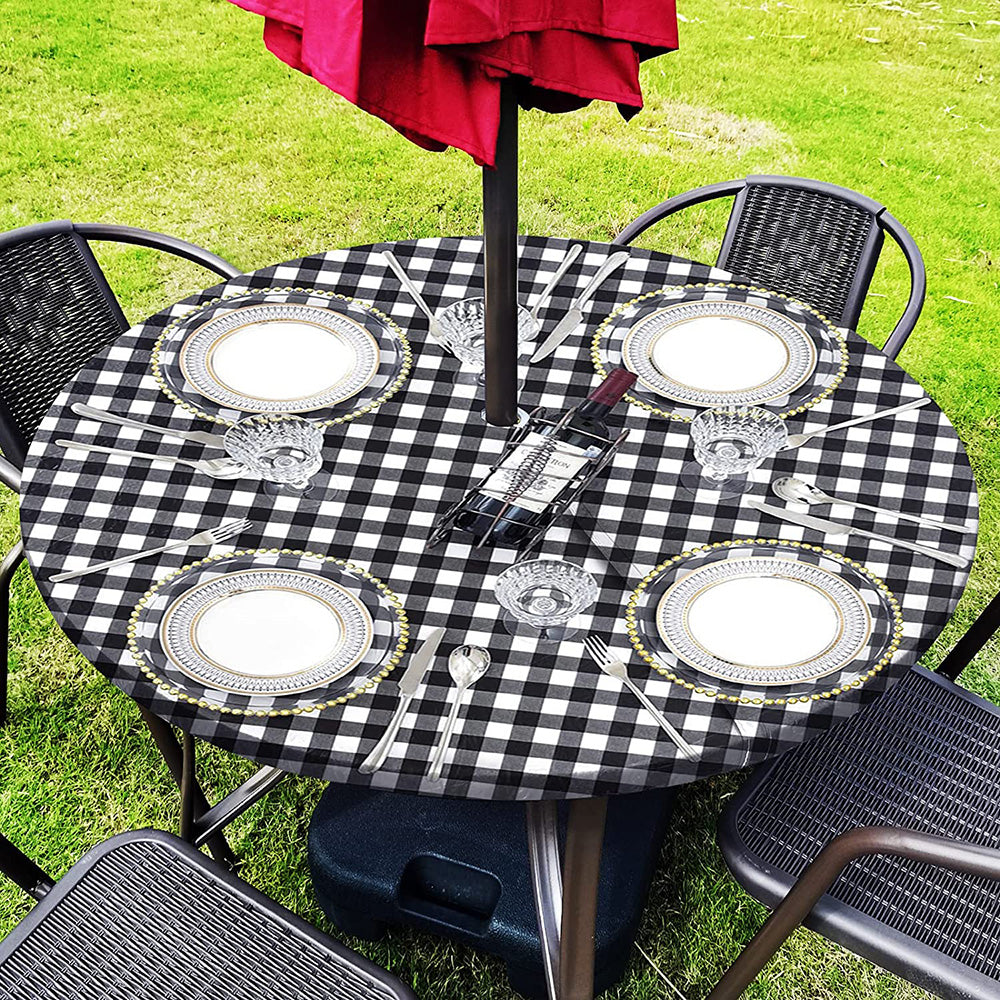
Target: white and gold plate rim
(393, 618)
(714, 292)
(196, 359)
(883, 642)
(336, 598)
(839, 651)
(161, 356)
(640, 341)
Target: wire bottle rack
(532, 468)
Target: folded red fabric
(433, 68)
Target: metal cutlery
(411, 680)
(574, 315)
(598, 650)
(838, 528)
(217, 468)
(790, 488)
(796, 440)
(213, 536)
(574, 252)
(466, 664)
(404, 279)
(105, 417)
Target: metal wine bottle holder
(528, 471)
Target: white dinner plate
(758, 620)
(764, 620)
(279, 357)
(267, 632)
(712, 353)
(695, 347)
(281, 350)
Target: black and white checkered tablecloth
(543, 722)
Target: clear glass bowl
(463, 324)
(545, 592)
(281, 448)
(732, 441)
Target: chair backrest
(56, 311)
(815, 241)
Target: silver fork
(213, 536)
(217, 468)
(598, 650)
(106, 417)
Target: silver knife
(408, 684)
(839, 528)
(574, 315)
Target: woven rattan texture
(146, 923)
(54, 316)
(921, 757)
(802, 243)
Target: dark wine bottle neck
(593, 409)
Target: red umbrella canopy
(433, 69)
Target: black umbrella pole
(500, 243)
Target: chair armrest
(723, 189)
(823, 871)
(10, 474)
(918, 283)
(157, 241)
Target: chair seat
(146, 917)
(925, 756)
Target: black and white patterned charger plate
(705, 346)
(268, 632)
(764, 622)
(280, 350)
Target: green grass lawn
(174, 117)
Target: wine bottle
(533, 477)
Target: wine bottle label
(536, 472)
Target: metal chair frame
(225, 888)
(200, 822)
(806, 902)
(882, 222)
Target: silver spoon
(466, 664)
(790, 488)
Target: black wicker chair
(145, 916)
(919, 895)
(815, 241)
(56, 311)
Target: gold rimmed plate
(757, 621)
(268, 631)
(705, 346)
(281, 351)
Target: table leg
(188, 783)
(581, 877)
(566, 901)
(546, 880)
(164, 738)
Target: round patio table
(544, 722)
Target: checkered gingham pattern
(543, 722)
